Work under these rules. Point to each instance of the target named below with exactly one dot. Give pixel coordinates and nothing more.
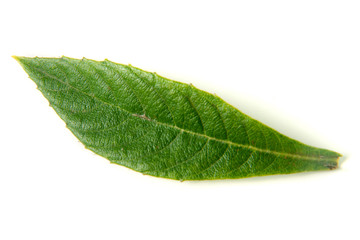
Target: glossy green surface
(165, 128)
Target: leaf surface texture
(164, 128)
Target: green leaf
(164, 128)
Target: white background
(293, 65)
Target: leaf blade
(165, 128)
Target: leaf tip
(17, 58)
(20, 59)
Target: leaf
(165, 128)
